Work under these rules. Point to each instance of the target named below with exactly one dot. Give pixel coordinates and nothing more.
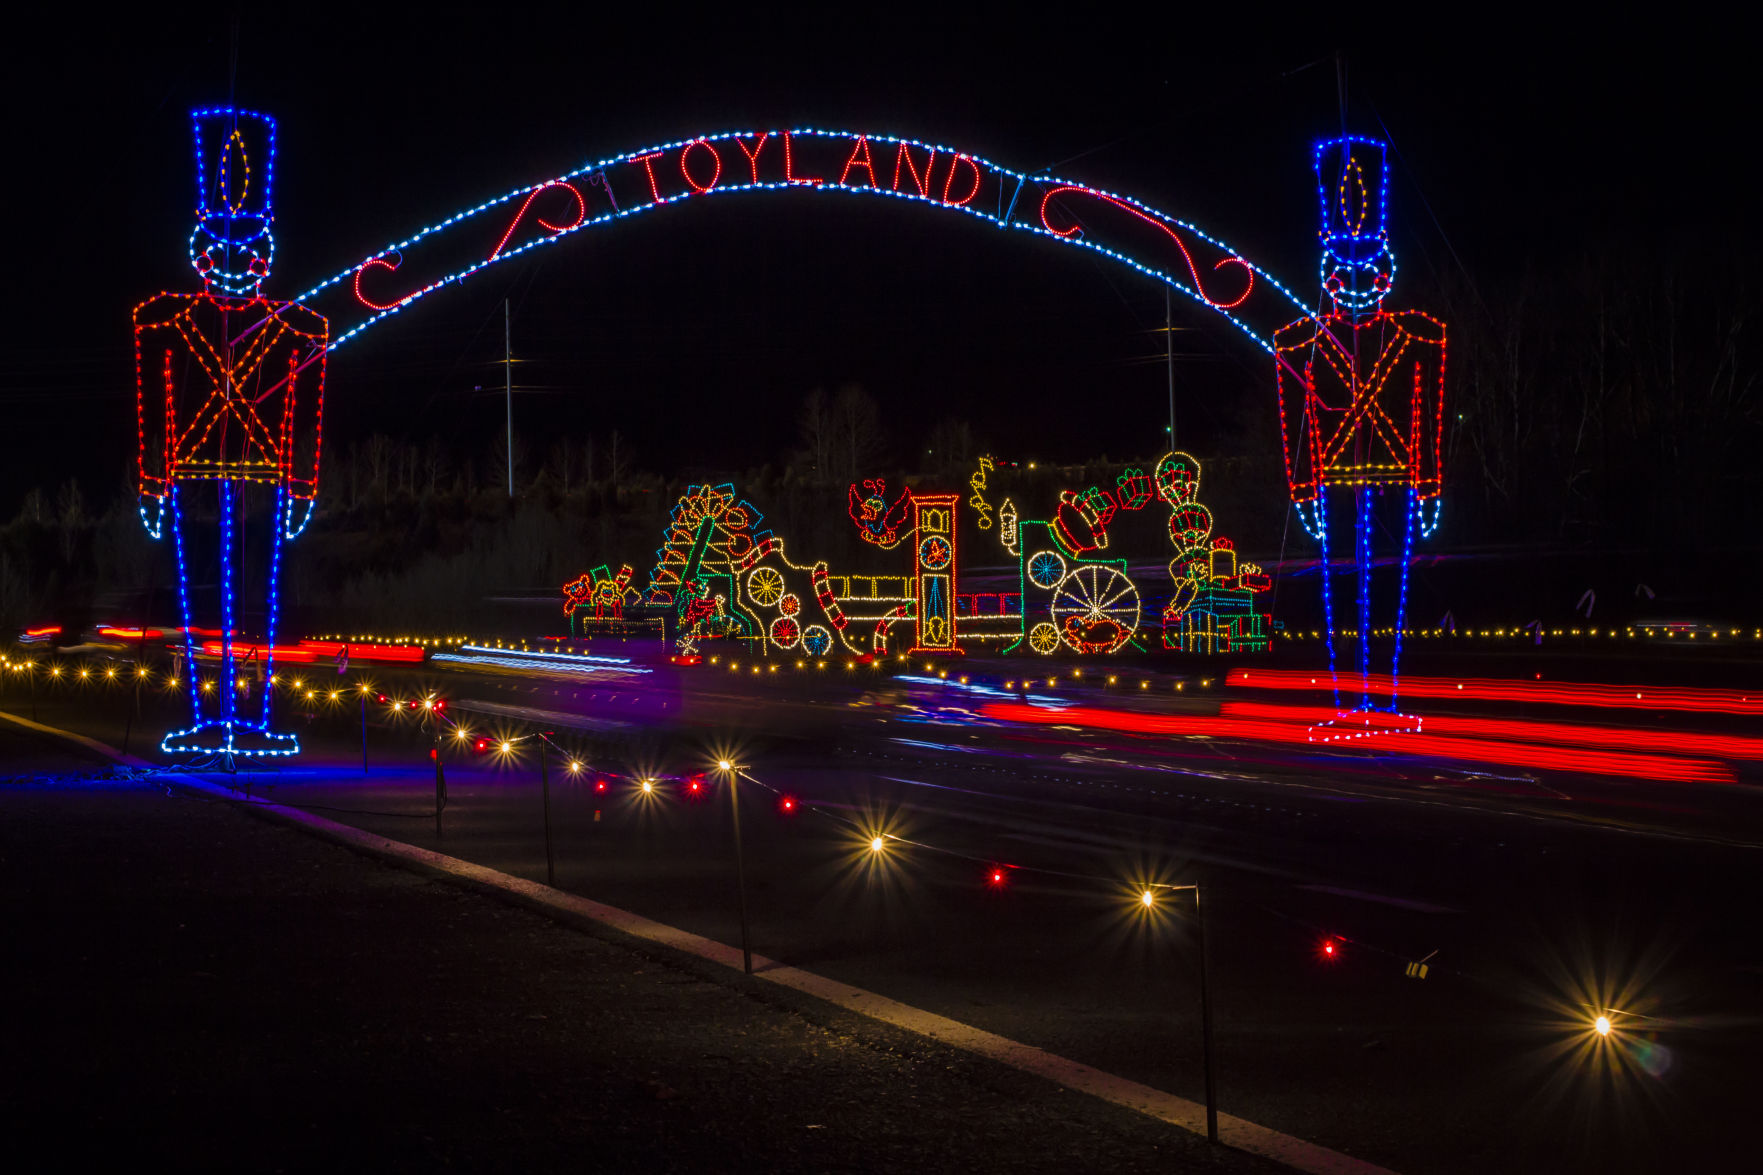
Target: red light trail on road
(1622, 738)
(307, 652)
(1418, 744)
(1483, 689)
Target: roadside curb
(582, 913)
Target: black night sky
(697, 331)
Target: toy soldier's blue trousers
(242, 554)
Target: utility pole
(508, 385)
(733, 772)
(1169, 344)
(545, 786)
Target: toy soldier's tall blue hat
(1352, 177)
(232, 246)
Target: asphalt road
(193, 989)
(1546, 897)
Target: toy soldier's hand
(152, 508)
(299, 514)
(1430, 510)
(1311, 516)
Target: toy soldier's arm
(1428, 427)
(302, 443)
(1292, 353)
(155, 406)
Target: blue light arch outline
(1002, 220)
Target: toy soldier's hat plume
(1352, 178)
(232, 245)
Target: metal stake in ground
(1147, 902)
(733, 771)
(1206, 1022)
(440, 781)
(545, 788)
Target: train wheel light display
(1044, 638)
(785, 632)
(765, 586)
(817, 640)
(1096, 609)
(1046, 569)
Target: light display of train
(722, 575)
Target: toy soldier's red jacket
(229, 389)
(1362, 401)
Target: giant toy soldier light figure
(1361, 412)
(229, 390)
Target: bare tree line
(1622, 406)
(1613, 404)
(381, 469)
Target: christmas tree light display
(1361, 393)
(229, 395)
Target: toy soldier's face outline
(1361, 285)
(235, 258)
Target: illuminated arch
(1157, 245)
